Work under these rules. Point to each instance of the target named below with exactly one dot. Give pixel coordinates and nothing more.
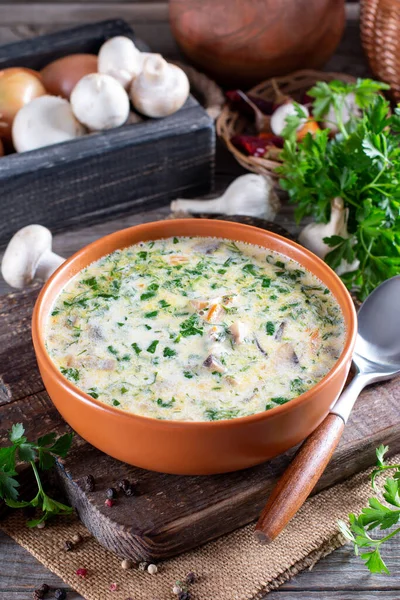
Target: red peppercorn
(81, 572)
(109, 503)
(114, 587)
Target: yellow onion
(61, 76)
(18, 86)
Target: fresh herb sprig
(44, 452)
(375, 515)
(360, 164)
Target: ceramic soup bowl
(188, 447)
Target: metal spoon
(376, 358)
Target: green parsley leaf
(136, 348)
(153, 346)
(270, 327)
(168, 352)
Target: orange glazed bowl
(189, 447)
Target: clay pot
(242, 42)
(190, 447)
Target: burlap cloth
(234, 567)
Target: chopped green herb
(279, 400)
(93, 394)
(169, 404)
(147, 295)
(188, 374)
(176, 240)
(250, 268)
(147, 326)
(213, 414)
(112, 350)
(115, 402)
(136, 348)
(54, 313)
(266, 282)
(151, 315)
(169, 352)
(163, 304)
(70, 373)
(191, 326)
(142, 255)
(124, 390)
(270, 327)
(153, 346)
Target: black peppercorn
(123, 484)
(60, 594)
(68, 546)
(38, 595)
(184, 596)
(111, 493)
(127, 487)
(44, 588)
(88, 483)
(190, 578)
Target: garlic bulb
(44, 121)
(161, 88)
(119, 58)
(348, 109)
(312, 235)
(249, 194)
(100, 102)
(278, 117)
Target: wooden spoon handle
(299, 479)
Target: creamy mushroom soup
(196, 329)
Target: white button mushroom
(29, 255)
(100, 102)
(44, 121)
(119, 58)
(239, 331)
(161, 88)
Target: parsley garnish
(44, 451)
(169, 352)
(376, 514)
(153, 346)
(169, 404)
(151, 315)
(136, 348)
(70, 373)
(270, 327)
(191, 326)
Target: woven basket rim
(302, 80)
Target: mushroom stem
(29, 256)
(249, 194)
(48, 263)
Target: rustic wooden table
(340, 576)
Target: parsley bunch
(360, 164)
(44, 451)
(376, 514)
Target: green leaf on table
(374, 562)
(8, 487)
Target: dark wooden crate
(130, 168)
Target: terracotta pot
(242, 42)
(192, 447)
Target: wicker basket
(231, 123)
(380, 35)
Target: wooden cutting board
(169, 514)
